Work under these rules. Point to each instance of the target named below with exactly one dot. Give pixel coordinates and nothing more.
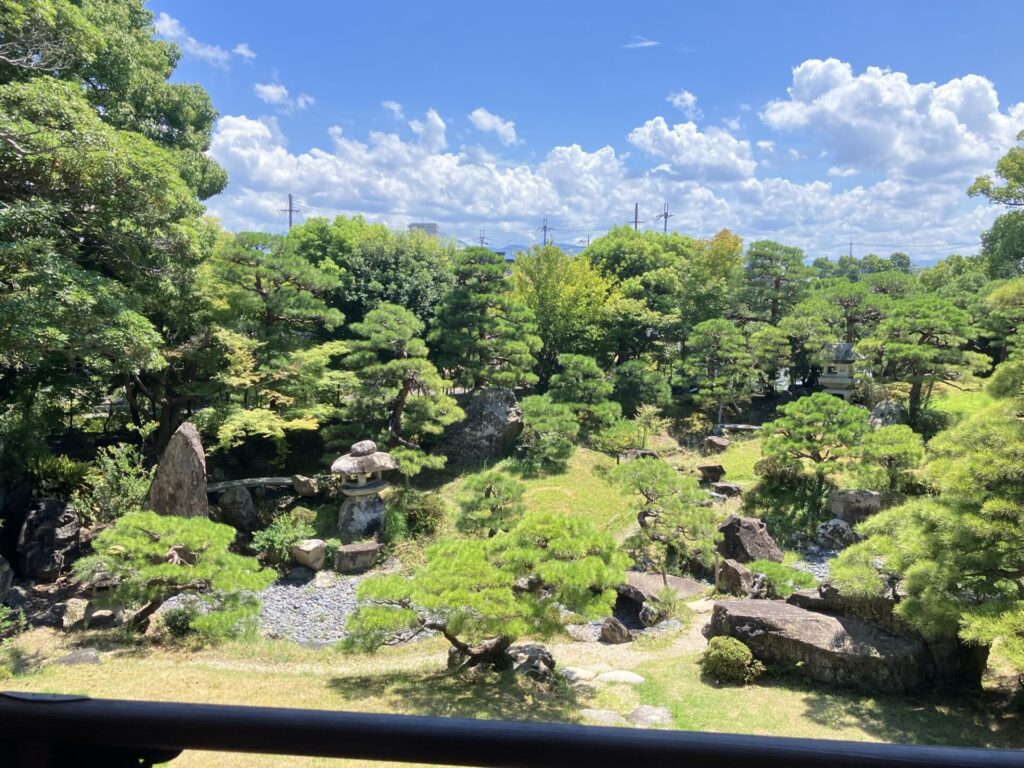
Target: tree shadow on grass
(495, 697)
(954, 718)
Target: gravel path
(816, 563)
(307, 609)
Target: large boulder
(493, 422)
(179, 487)
(48, 540)
(310, 553)
(745, 539)
(840, 650)
(729, 490)
(835, 534)
(887, 413)
(638, 595)
(237, 508)
(854, 506)
(532, 660)
(734, 578)
(716, 444)
(305, 486)
(635, 453)
(952, 662)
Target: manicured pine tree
(472, 591)
(155, 557)
(483, 334)
(399, 394)
(583, 386)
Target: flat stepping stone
(646, 715)
(602, 717)
(620, 676)
(80, 656)
(577, 674)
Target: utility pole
(545, 229)
(290, 210)
(851, 247)
(483, 238)
(636, 216)
(666, 216)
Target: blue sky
(810, 123)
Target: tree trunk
(490, 653)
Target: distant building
(837, 376)
(426, 227)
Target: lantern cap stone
(364, 459)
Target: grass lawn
(581, 490)
(412, 680)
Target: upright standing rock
(48, 540)
(179, 487)
(745, 539)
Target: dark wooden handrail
(42, 730)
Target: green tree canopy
(922, 342)
(775, 277)
(570, 301)
(959, 556)
(471, 590)
(155, 557)
(718, 361)
(583, 386)
(399, 394)
(483, 334)
(491, 502)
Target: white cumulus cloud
(713, 154)
(172, 29)
(488, 122)
(880, 120)
(278, 96)
(686, 103)
(394, 108)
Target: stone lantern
(362, 512)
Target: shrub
(788, 498)
(728, 660)
(394, 527)
(178, 620)
(617, 438)
(274, 543)
(423, 512)
(155, 557)
(491, 502)
(58, 475)
(637, 383)
(549, 429)
(785, 579)
(116, 482)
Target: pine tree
(399, 393)
(675, 523)
(483, 334)
(922, 342)
(482, 594)
(583, 386)
(775, 278)
(155, 557)
(549, 429)
(958, 556)
(719, 362)
(491, 502)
